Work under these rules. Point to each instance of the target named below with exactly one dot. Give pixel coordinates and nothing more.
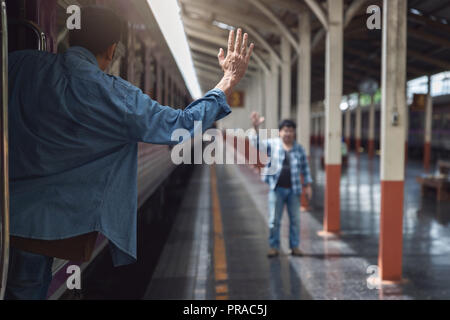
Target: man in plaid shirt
(287, 162)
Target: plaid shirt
(272, 171)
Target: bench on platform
(439, 182)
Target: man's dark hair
(100, 28)
(287, 124)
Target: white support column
(333, 118)
(286, 84)
(255, 98)
(428, 128)
(322, 129)
(304, 82)
(274, 88)
(259, 93)
(393, 116)
(264, 95)
(268, 93)
(166, 87)
(147, 71)
(159, 82)
(406, 129)
(371, 142)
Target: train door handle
(40, 35)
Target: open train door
(4, 180)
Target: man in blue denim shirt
(287, 162)
(74, 132)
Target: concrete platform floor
(334, 268)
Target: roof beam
(247, 28)
(269, 14)
(212, 52)
(419, 34)
(319, 12)
(293, 6)
(376, 58)
(219, 41)
(218, 11)
(352, 10)
(433, 61)
(424, 20)
(350, 13)
(215, 70)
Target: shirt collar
(84, 53)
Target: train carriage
(143, 58)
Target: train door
(4, 188)
(18, 31)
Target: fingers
(237, 47)
(249, 53)
(231, 41)
(244, 45)
(221, 56)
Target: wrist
(225, 85)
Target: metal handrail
(41, 37)
(4, 197)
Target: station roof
(205, 23)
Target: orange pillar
(391, 231)
(332, 219)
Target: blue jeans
(277, 199)
(29, 276)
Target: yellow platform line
(220, 259)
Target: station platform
(218, 244)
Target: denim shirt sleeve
(148, 121)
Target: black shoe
(272, 253)
(296, 252)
